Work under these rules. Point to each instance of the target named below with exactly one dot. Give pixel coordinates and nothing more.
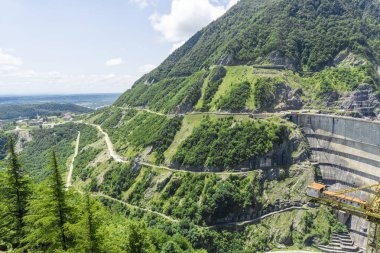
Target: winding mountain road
(69, 176)
(109, 144)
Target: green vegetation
(8, 112)
(139, 130)
(341, 79)
(84, 158)
(201, 198)
(61, 138)
(110, 118)
(15, 190)
(236, 100)
(215, 79)
(3, 145)
(48, 214)
(45, 217)
(307, 37)
(118, 179)
(226, 143)
(263, 93)
(198, 200)
(168, 95)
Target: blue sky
(91, 46)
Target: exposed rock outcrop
(362, 100)
(227, 60)
(348, 59)
(286, 98)
(279, 58)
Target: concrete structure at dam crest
(348, 153)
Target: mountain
(320, 46)
(194, 178)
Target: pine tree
(14, 193)
(48, 213)
(90, 217)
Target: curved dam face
(348, 153)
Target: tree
(90, 217)
(48, 213)
(138, 240)
(171, 247)
(14, 192)
(263, 94)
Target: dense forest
(227, 143)
(46, 217)
(9, 112)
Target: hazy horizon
(58, 94)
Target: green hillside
(326, 46)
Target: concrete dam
(347, 151)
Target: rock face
(362, 100)
(278, 58)
(227, 60)
(348, 59)
(287, 99)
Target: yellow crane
(367, 210)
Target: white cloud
(186, 17)
(114, 62)
(143, 3)
(16, 79)
(19, 80)
(7, 59)
(146, 68)
(231, 3)
(27, 81)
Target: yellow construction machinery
(340, 201)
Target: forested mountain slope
(327, 46)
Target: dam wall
(348, 153)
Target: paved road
(69, 176)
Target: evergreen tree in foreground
(89, 218)
(14, 194)
(48, 213)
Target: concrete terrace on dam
(348, 153)
(346, 149)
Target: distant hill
(93, 101)
(326, 48)
(9, 112)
